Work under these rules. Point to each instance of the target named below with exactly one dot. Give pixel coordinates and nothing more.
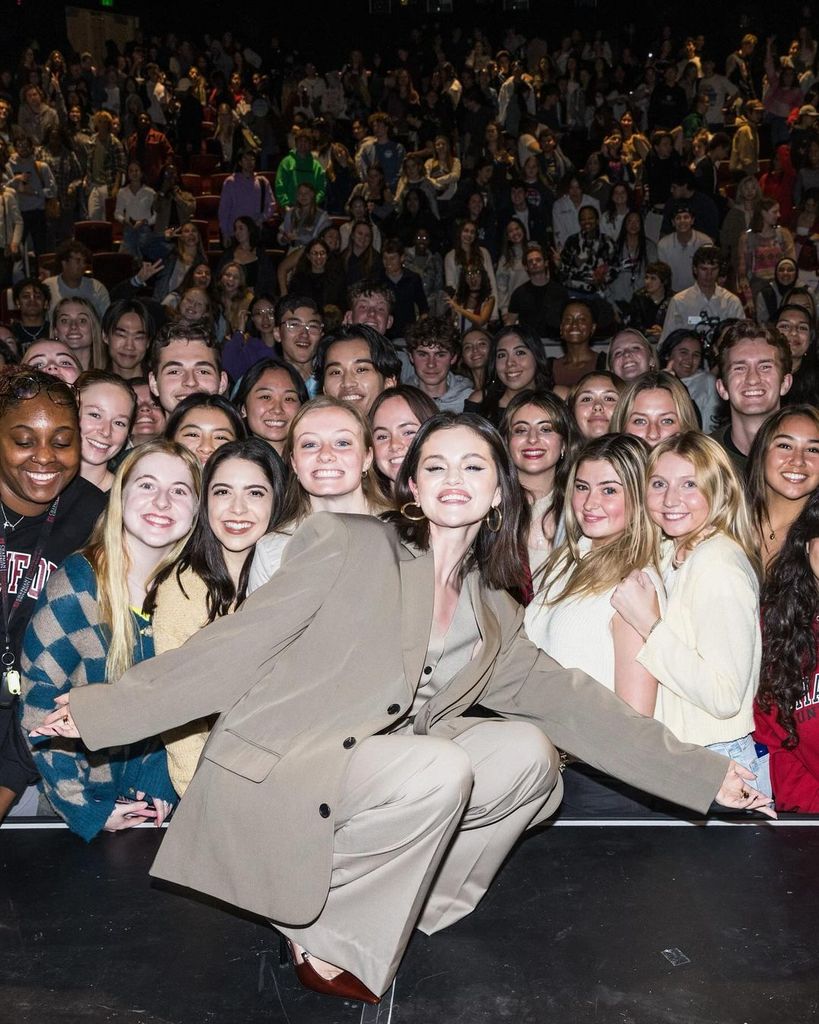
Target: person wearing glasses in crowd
(47, 511)
(797, 325)
(298, 330)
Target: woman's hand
(636, 600)
(127, 815)
(58, 722)
(736, 792)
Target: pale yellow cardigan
(178, 615)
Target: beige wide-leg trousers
(422, 826)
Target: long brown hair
(494, 555)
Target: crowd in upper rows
(236, 381)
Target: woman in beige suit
(343, 792)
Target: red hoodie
(794, 773)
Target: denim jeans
(744, 752)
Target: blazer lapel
(417, 596)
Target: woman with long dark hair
(242, 494)
(538, 432)
(782, 473)
(517, 363)
(376, 805)
(789, 676)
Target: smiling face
(270, 406)
(372, 309)
(394, 427)
(534, 444)
(515, 364)
(185, 367)
(686, 358)
(53, 358)
(105, 418)
(456, 480)
(351, 375)
(73, 326)
(628, 357)
(231, 280)
(329, 456)
(795, 325)
(576, 324)
(39, 453)
(158, 502)
(475, 350)
(299, 334)
(317, 257)
(127, 343)
(149, 421)
(599, 502)
(240, 503)
(673, 498)
(203, 430)
(791, 465)
(653, 416)
(193, 305)
(754, 382)
(594, 405)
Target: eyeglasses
(313, 327)
(788, 328)
(22, 387)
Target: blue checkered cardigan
(65, 646)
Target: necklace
(32, 335)
(6, 524)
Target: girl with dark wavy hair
(785, 709)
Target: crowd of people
(369, 566)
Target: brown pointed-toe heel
(344, 985)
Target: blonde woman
(88, 628)
(705, 648)
(329, 450)
(75, 323)
(608, 536)
(654, 406)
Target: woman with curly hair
(784, 712)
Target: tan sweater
(177, 617)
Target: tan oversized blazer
(325, 654)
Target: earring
(406, 515)
(494, 525)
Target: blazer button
(324, 811)
(393, 709)
(349, 742)
(428, 670)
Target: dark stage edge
(573, 930)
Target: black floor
(574, 930)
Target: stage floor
(627, 922)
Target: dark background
(327, 29)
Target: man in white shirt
(71, 282)
(678, 248)
(705, 299)
(719, 91)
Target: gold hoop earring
(494, 525)
(406, 515)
